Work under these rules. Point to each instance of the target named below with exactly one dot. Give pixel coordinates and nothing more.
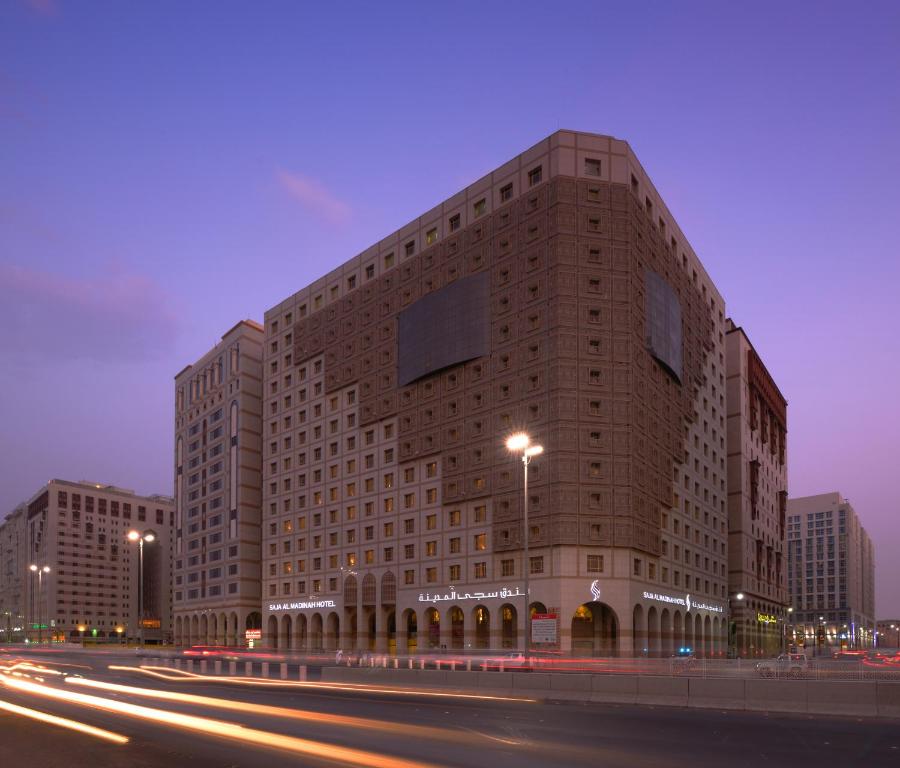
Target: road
(228, 724)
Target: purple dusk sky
(168, 168)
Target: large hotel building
(556, 296)
(71, 573)
(216, 589)
(831, 574)
(757, 500)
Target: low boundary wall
(816, 697)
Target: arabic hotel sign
(684, 601)
(503, 593)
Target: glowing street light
(40, 571)
(520, 443)
(140, 538)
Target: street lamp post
(140, 538)
(40, 571)
(732, 623)
(784, 627)
(520, 443)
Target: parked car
(223, 652)
(683, 662)
(791, 665)
(846, 655)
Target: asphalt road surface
(154, 722)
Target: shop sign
(301, 606)
(253, 634)
(503, 593)
(766, 618)
(543, 628)
(658, 597)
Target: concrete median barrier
(716, 693)
(822, 697)
(841, 697)
(776, 695)
(671, 691)
(615, 689)
(495, 680)
(888, 699)
(570, 683)
(531, 681)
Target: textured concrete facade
(392, 515)
(831, 574)
(757, 499)
(216, 590)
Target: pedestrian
(338, 656)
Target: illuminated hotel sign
(453, 595)
(302, 606)
(766, 618)
(685, 601)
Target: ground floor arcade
(212, 627)
(592, 628)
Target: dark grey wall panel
(445, 328)
(663, 323)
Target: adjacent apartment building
(216, 589)
(888, 633)
(12, 576)
(73, 571)
(831, 574)
(557, 296)
(757, 500)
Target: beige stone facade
(831, 574)
(79, 531)
(216, 588)
(392, 512)
(757, 499)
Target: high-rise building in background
(216, 589)
(757, 500)
(556, 296)
(888, 633)
(74, 572)
(831, 574)
(12, 576)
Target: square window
(592, 167)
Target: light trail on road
(177, 675)
(320, 718)
(63, 722)
(27, 666)
(226, 730)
